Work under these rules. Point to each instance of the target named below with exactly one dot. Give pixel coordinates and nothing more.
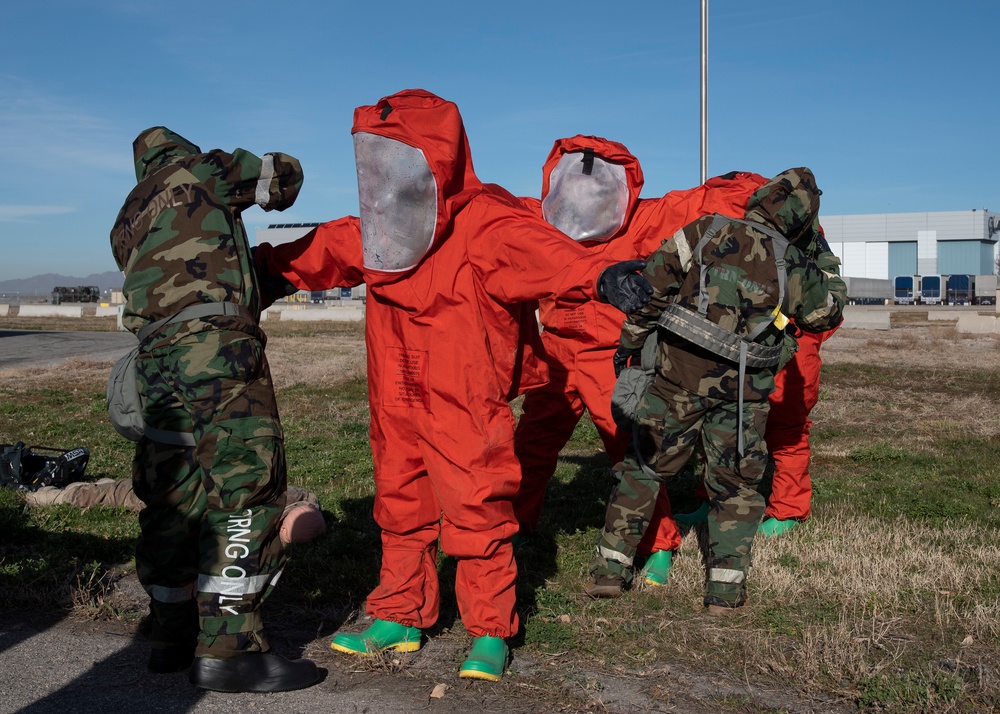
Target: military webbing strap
(718, 340)
(192, 312)
(196, 312)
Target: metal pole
(704, 91)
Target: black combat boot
(253, 672)
(172, 643)
(171, 657)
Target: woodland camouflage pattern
(741, 287)
(209, 551)
(179, 237)
(695, 393)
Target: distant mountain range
(42, 284)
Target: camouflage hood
(156, 146)
(788, 203)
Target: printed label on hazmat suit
(405, 378)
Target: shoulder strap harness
(696, 328)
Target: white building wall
(854, 261)
(876, 261)
(927, 252)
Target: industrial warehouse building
(885, 245)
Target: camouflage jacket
(179, 238)
(742, 287)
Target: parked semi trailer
(960, 290)
(986, 290)
(869, 291)
(906, 289)
(932, 289)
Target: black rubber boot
(173, 643)
(171, 658)
(253, 672)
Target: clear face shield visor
(398, 202)
(587, 197)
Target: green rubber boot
(699, 515)
(773, 527)
(658, 567)
(487, 659)
(382, 635)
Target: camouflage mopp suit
(209, 551)
(731, 272)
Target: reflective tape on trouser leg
(162, 593)
(727, 580)
(630, 507)
(235, 582)
(614, 555)
(726, 575)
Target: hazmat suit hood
(156, 146)
(788, 203)
(590, 187)
(427, 134)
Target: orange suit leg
(796, 393)
(551, 413)
(476, 497)
(408, 512)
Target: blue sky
(895, 105)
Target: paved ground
(25, 348)
(51, 666)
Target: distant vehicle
(932, 289)
(80, 293)
(985, 291)
(906, 289)
(960, 290)
(868, 291)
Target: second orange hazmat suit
(580, 339)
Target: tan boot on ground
(603, 586)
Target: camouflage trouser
(671, 421)
(86, 494)
(209, 553)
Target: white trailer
(868, 291)
(986, 290)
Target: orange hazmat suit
(450, 334)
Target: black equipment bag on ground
(29, 468)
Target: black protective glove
(271, 287)
(622, 357)
(621, 285)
